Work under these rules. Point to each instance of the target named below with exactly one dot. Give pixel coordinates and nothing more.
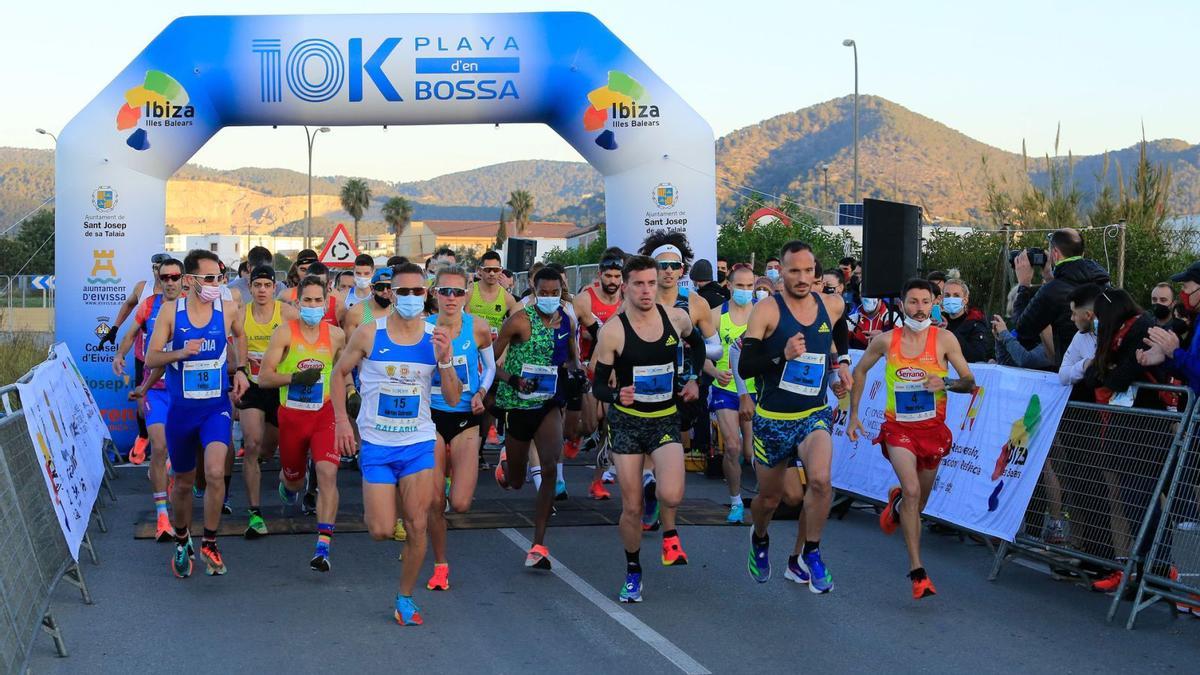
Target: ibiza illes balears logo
(618, 104)
(160, 101)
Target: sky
(998, 72)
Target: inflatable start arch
(203, 73)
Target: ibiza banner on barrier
(1002, 435)
(202, 73)
(68, 436)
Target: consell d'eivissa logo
(160, 101)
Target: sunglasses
(403, 291)
(382, 287)
(206, 278)
(493, 270)
(159, 258)
(670, 265)
(611, 264)
(451, 292)
(170, 277)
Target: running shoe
(758, 562)
(310, 503)
(197, 492)
(737, 513)
(796, 571)
(560, 490)
(591, 442)
(283, 496)
(226, 509)
(650, 520)
(493, 438)
(163, 530)
(632, 590)
(502, 470)
(538, 557)
(571, 448)
(1109, 582)
(407, 613)
(257, 527)
(1183, 607)
(320, 562)
(483, 463)
(137, 454)
(820, 580)
(608, 477)
(181, 562)
(922, 587)
(1056, 531)
(399, 533)
(672, 552)
(215, 565)
(440, 581)
(598, 492)
(889, 520)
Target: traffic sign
(44, 282)
(339, 249)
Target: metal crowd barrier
(1099, 489)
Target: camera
(1037, 257)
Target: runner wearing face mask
(364, 270)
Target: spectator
(1121, 331)
(937, 278)
(702, 275)
(1010, 351)
(506, 279)
(869, 319)
(846, 267)
(1066, 269)
(1082, 350)
(533, 270)
(1164, 347)
(967, 323)
(772, 270)
(1162, 306)
(832, 283)
(763, 288)
(722, 272)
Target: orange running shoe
(571, 448)
(923, 587)
(1109, 582)
(889, 520)
(493, 438)
(598, 492)
(440, 581)
(163, 530)
(672, 552)
(538, 557)
(137, 454)
(214, 563)
(502, 470)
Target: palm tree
(356, 198)
(397, 212)
(521, 203)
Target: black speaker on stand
(521, 253)
(891, 247)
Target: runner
(364, 271)
(258, 407)
(792, 416)
(641, 349)
(199, 414)
(594, 306)
(299, 360)
(532, 389)
(304, 260)
(725, 399)
(492, 303)
(457, 425)
(152, 396)
(915, 416)
(398, 355)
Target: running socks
(793, 560)
(633, 561)
(160, 503)
(535, 473)
(918, 574)
(560, 471)
(254, 510)
(810, 546)
(667, 534)
(761, 541)
(182, 535)
(324, 537)
(210, 537)
(736, 500)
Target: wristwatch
(447, 364)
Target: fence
(33, 552)
(577, 276)
(23, 306)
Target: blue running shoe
(650, 520)
(181, 562)
(197, 492)
(560, 490)
(632, 590)
(820, 580)
(797, 571)
(283, 495)
(758, 562)
(737, 514)
(407, 613)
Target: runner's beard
(610, 290)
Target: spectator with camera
(1063, 270)
(967, 323)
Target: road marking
(615, 612)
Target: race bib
(202, 379)
(914, 403)
(804, 375)
(653, 384)
(545, 379)
(398, 407)
(306, 397)
(460, 367)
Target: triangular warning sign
(339, 249)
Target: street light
(308, 225)
(47, 133)
(825, 195)
(850, 43)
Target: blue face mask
(1096, 326)
(312, 315)
(683, 291)
(743, 296)
(952, 305)
(410, 306)
(547, 304)
(773, 274)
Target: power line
(22, 218)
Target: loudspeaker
(891, 246)
(521, 253)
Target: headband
(667, 248)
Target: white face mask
(870, 304)
(916, 326)
(362, 282)
(761, 294)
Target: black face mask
(720, 277)
(829, 290)
(382, 301)
(1161, 312)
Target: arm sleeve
(600, 387)
(754, 359)
(735, 354)
(699, 349)
(488, 358)
(713, 349)
(841, 336)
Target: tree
(521, 203)
(397, 212)
(501, 232)
(356, 199)
(31, 251)
(583, 255)
(765, 241)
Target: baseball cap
(701, 270)
(381, 274)
(305, 257)
(1192, 273)
(262, 272)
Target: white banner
(68, 436)
(1002, 434)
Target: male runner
(594, 306)
(724, 397)
(789, 345)
(916, 355)
(191, 341)
(152, 397)
(643, 420)
(299, 360)
(532, 388)
(397, 356)
(258, 407)
(457, 425)
(492, 303)
(364, 270)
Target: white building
(232, 248)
